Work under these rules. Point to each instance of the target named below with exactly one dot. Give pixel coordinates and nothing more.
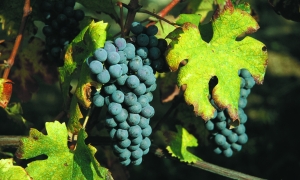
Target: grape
(124, 125)
(120, 43)
(78, 15)
(244, 92)
(154, 53)
(249, 82)
(135, 131)
(240, 129)
(153, 41)
(221, 125)
(133, 147)
(220, 139)
(143, 100)
(107, 100)
(117, 149)
(68, 11)
(228, 152)
(158, 64)
(123, 58)
(70, 3)
(124, 68)
(142, 52)
(151, 30)
(236, 147)
(140, 90)
(152, 87)
(47, 6)
(122, 80)
(109, 88)
(103, 77)
(136, 108)
(55, 51)
(226, 145)
(221, 116)
(150, 81)
(129, 52)
(135, 63)
(125, 155)
(130, 45)
(143, 73)
(133, 119)
(147, 61)
(122, 134)
(109, 47)
(126, 162)
(115, 71)
(142, 40)
(47, 15)
(114, 108)
(72, 23)
(137, 140)
(144, 122)
(162, 45)
(243, 138)
(61, 19)
(63, 31)
(148, 111)
(242, 102)
(47, 30)
(243, 82)
(147, 131)
(117, 96)
(132, 81)
(209, 125)
(218, 150)
(137, 154)
(137, 162)
(233, 137)
(98, 100)
(112, 133)
(110, 122)
(226, 132)
(149, 96)
(243, 118)
(113, 58)
(145, 144)
(122, 116)
(245, 73)
(96, 67)
(130, 99)
(136, 28)
(100, 54)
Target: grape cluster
(61, 26)
(227, 140)
(149, 48)
(126, 92)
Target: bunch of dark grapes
(227, 140)
(126, 92)
(61, 26)
(148, 47)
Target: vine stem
(26, 11)
(209, 167)
(157, 16)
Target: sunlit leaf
(10, 172)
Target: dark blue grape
(96, 67)
(243, 82)
(151, 80)
(123, 58)
(243, 138)
(55, 52)
(144, 122)
(107, 100)
(249, 82)
(143, 100)
(117, 96)
(151, 88)
(236, 147)
(244, 93)
(151, 30)
(137, 154)
(132, 81)
(122, 116)
(145, 144)
(47, 5)
(135, 131)
(153, 41)
(103, 77)
(147, 131)
(126, 162)
(121, 134)
(114, 108)
(150, 96)
(226, 132)
(109, 47)
(133, 147)
(113, 58)
(242, 102)
(137, 140)
(143, 73)
(122, 80)
(220, 125)
(146, 151)
(98, 100)
(148, 111)
(240, 129)
(61, 19)
(129, 52)
(124, 68)
(112, 133)
(142, 40)
(120, 43)
(136, 108)
(130, 45)
(228, 152)
(221, 116)
(78, 15)
(115, 71)
(243, 118)
(142, 52)
(100, 54)
(226, 145)
(158, 64)
(220, 139)
(154, 53)
(118, 149)
(130, 99)
(110, 122)
(147, 61)
(125, 155)
(136, 28)
(135, 63)
(124, 125)
(47, 30)
(137, 161)
(68, 11)
(245, 73)
(70, 3)
(232, 138)
(140, 90)
(217, 150)
(133, 119)
(209, 125)
(162, 45)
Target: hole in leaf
(212, 83)
(206, 32)
(240, 38)
(264, 48)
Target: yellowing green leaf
(61, 162)
(223, 57)
(192, 18)
(10, 172)
(179, 144)
(74, 116)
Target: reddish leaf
(5, 91)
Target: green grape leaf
(179, 144)
(164, 28)
(203, 7)
(192, 18)
(14, 112)
(75, 115)
(10, 172)
(5, 92)
(223, 57)
(62, 163)
(105, 6)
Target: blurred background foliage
(273, 123)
